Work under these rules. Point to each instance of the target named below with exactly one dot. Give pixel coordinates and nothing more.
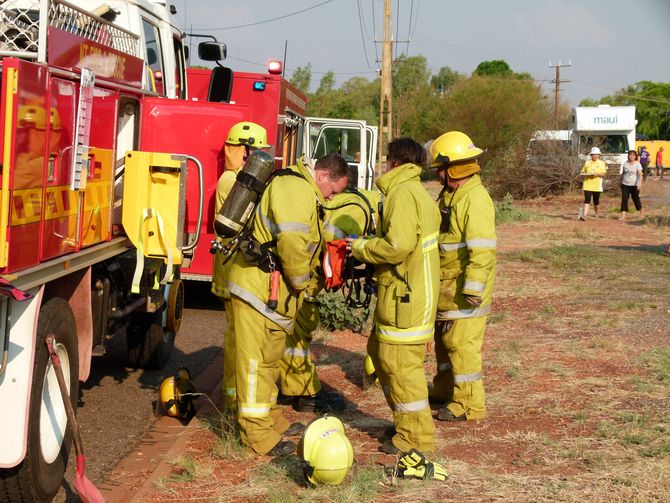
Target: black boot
(320, 403)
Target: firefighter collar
(400, 174)
(452, 198)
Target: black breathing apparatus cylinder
(243, 197)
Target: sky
(609, 44)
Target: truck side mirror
(212, 51)
(220, 84)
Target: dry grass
(577, 370)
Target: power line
(397, 28)
(360, 24)
(266, 20)
(409, 27)
(316, 72)
(374, 30)
(416, 18)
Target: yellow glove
(414, 465)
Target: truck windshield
(608, 144)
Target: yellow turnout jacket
(467, 250)
(406, 258)
(288, 214)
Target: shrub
(506, 212)
(336, 314)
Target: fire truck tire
(149, 341)
(175, 305)
(38, 479)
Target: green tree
(493, 68)
(444, 79)
(327, 83)
(499, 68)
(302, 78)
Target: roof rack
(23, 28)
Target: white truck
(611, 128)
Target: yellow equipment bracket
(154, 199)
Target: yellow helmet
(248, 133)
(326, 451)
(36, 116)
(451, 147)
(176, 395)
(370, 372)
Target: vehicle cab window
(153, 58)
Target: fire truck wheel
(149, 342)
(175, 305)
(41, 473)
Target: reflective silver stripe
(293, 227)
(296, 280)
(405, 334)
(475, 286)
(481, 243)
(467, 377)
(230, 391)
(443, 366)
(358, 245)
(430, 242)
(276, 228)
(299, 352)
(259, 305)
(445, 247)
(268, 223)
(251, 381)
(464, 313)
(335, 231)
(412, 406)
(254, 411)
(428, 282)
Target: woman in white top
(631, 182)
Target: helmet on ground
(248, 133)
(452, 147)
(176, 395)
(326, 451)
(370, 372)
(595, 151)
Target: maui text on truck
(610, 128)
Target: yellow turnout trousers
(458, 345)
(228, 384)
(400, 369)
(297, 370)
(259, 345)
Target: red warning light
(274, 67)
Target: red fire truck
(280, 108)
(106, 198)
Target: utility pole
(385, 108)
(557, 88)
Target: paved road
(116, 405)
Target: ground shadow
(654, 249)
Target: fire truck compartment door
(349, 138)
(154, 198)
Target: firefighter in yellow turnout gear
(467, 272)
(243, 137)
(287, 222)
(349, 215)
(407, 267)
